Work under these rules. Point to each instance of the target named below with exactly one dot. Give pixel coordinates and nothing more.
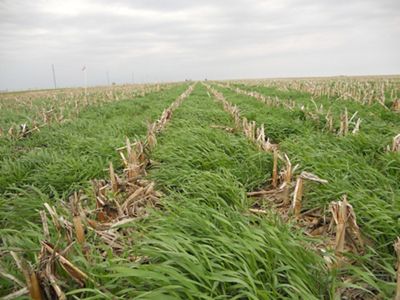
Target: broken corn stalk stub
(53, 282)
(34, 287)
(275, 170)
(114, 183)
(346, 223)
(287, 181)
(70, 268)
(151, 138)
(298, 191)
(45, 225)
(396, 143)
(341, 219)
(77, 219)
(357, 126)
(297, 196)
(396, 107)
(54, 216)
(30, 277)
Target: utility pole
(108, 78)
(85, 80)
(54, 76)
(133, 78)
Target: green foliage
(356, 165)
(67, 156)
(203, 243)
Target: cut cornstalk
(54, 216)
(329, 121)
(31, 279)
(298, 191)
(114, 183)
(357, 126)
(151, 137)
(260, 140)
(43, 217)
(396, 143)
(297, 196)
(345, 219)
(396, 105)
(130, 155)
(53, 282)
(344, 123)
(34, 286)
(341, 219)
(287, 182)
(71, 269)
(11, 131)
(79, 231)
(275, 170)
(77, 220)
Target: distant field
(237, 189)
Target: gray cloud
(178, 39)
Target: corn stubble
(343, 215)
(181, 226)
(315, 113)
(367, 90)
(40, 107)
(120, 200)
(346, 237)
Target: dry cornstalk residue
(121, 199)
(339, 231)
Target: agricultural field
(240, 189)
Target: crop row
(329, 157)
(211, 207)
(136, 192)
(367, 90)
(23, 114)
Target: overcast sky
(173, 40)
